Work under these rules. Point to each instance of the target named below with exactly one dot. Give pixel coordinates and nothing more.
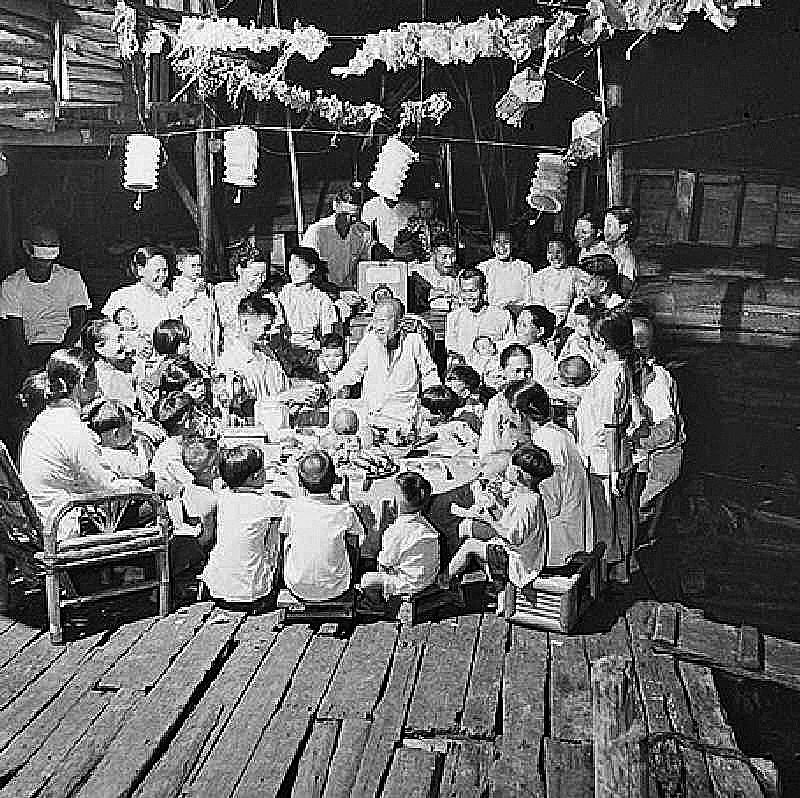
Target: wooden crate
(557, 599)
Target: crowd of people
(144, 393)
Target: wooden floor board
(570, 691)
(362, 671)
(346, 758)
(483, 692)
(15, 639)
(412, 774)
(134, 748)
(467, 770)
(441, 688)
(221, 771)
(30, 663)
(313, 768)
(568, 767)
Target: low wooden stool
(338, 610)
(557, 599)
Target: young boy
(176, 415)
(241, 567)
(408, 561)
(514, 549)
(439, 403)
(191, 302)
(485, 360)
(316, 566)
(124, 453)
(250, 360)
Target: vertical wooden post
(203, 179)
(619, 761)
(4, 589)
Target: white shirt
(44, 307)
(309, 312)
(578, 345)
(391, 383)
(565, 494)
(409, 554)
(189, 300)
(315, 562)
(439, 283)
(115, 383)
(263, 377)
(498, 420)
(626, 260)
(523, 528)
(148, 306)
(388, 221)
(507, 281)
(606, 402)
(463, 326)
(167, 466)
(59, 461)
(543, 365)
(556, 289)
(242, 564)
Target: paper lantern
(241, 158)
(142, 161)
(391, 168)
(549, 184)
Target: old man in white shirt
(394, 366)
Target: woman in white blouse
(60, 457)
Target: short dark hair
(178, 373)
(197, 452)
(348, 195)
(382, 288)
(108, 414)
(541, 317)
(169, 334)
(187, 252)
(575, 370)
(442, 240)
(511, 350)
(441, 400)
(141, 256)
(588, 307)
(473, 273)
(615, 330)
(93, 334)
(592, 218)
(599, 264)
(465, 374)
(308, 255)
(238, 463)
(316, 472)
(414, 488)
(558, 238)
(66, 369)
(627, 216)
(32, 395)
(534, 461)
(530, 400)
(256, 305)
(173, 410)
(332, 341)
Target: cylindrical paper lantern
(142, 161)
(391, 168)
(241, 157)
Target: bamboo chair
(40, 556)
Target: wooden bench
(557, 599)
(100, 542)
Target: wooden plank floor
(214, 704)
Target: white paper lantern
(241, 158)
(391, 168)
(142, 161)
(549, 184)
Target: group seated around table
(125, 410)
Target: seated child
(439, 403)
(316, 566)
(466, 383)
(242, 564)
(408, 561)
(485, 360)
(176, 414)
(121, 450)
(191, 302)
(194, 512)
(513, 549)
(136, 344)
(105, 341)
(182, 375)
(170, 340)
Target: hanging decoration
(241, 158)
(142, 161)
(587, 138)
(123, 27)
(447, 43)
(391, 168)
(549, 184)
(413, 112)
(524, 92)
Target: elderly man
(44, 304)
(394, 365)
(475, 318)
(341, 239)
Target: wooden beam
(183, 192)
(203, 180)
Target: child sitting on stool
(513, 549)
(408, 561)
(316, 566)
(242, 565)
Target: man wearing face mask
(44, 304)
(341, 239)
(394, 366)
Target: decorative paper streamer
(391, 168)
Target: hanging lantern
(549, 184)
(391, 168)
(241, 158)
(142, 161)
